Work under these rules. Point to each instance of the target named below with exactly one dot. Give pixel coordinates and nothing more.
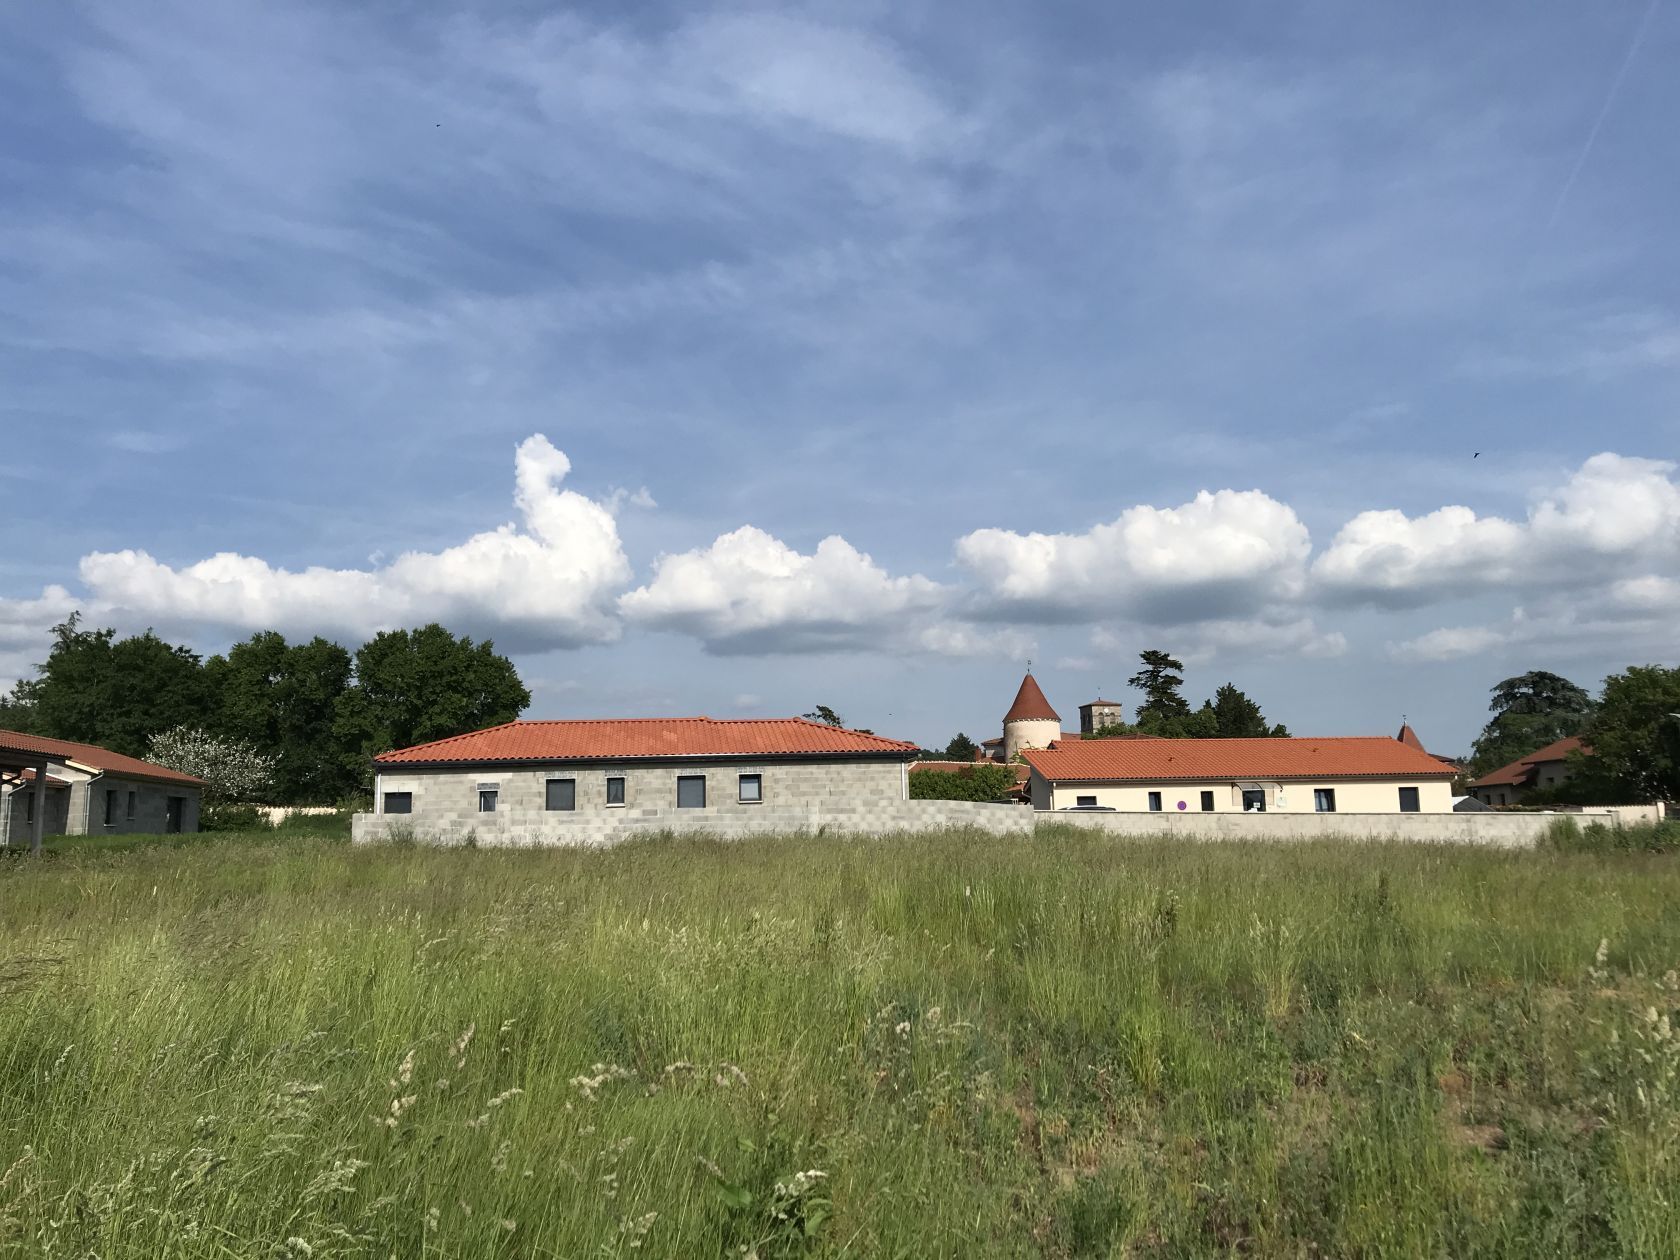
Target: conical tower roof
(1030, 704)
(1408, 737)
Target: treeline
(318, 709)
(1230, 714)
(1632, 728)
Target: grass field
(278, 1046)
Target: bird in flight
(1477, 455)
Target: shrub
(232, 769)
(223, 816)
(1566, 836)
(979, 782)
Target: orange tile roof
(1031, 704)
(1524, 769)
(609, 739)
(1157, 759)
(92, 755)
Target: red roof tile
(1031, 704)
(92, 755)
(1525, 769)
(615, 738)
(1153, 760)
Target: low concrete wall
(539, 827)
(542, 827)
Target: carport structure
(18, 757)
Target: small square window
(1154, 802)
(1207, 802)
(1085, 800)
(691, 791)
(562, 794)
(1409, 800)
(615, 790)
(1324, 800)
(752, 789)
(487, 800)
(399, 802)
(131, 798)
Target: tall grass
(943, 1045)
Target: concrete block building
(1354, 775)
(583, 781)
(59, 787)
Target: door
(173, 808)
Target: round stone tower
(1030, 722)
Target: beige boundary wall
(537, 827)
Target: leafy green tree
(1236, 716)
(962, 748)
(414, 686)
(1529, 711)
(18, 709)
(99, 689)
(1160, 681)
(827, 716)
(983, 781)
(1635, 732)
(285, 698)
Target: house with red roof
(514, 778)
(1344, 774)
(51, 787)
(1543, 768)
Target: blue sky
(735, 359)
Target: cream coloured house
(1350, 775)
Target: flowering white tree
(232, 769)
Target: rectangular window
(1207, 802)
(399, 802)
(1254, 800)
(615, 790)
(691, 791)
(1086, 800)
(487, 800)
(29, 805)
(1324, 800)
(752, 789)
(562, 794)
(110, 807)
(131, 797)
(1408, 800)
(1154, 802)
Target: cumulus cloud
(1614, 515)
(24, 628)
(546, 582)
(1448, 643)
(750, 592)
(1224, 554)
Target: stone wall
(537, 827)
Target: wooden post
(37, 827)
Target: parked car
(1087, 809)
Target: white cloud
(548, 582)
(1448, 643)
(1224, 554)
(750, 592)
(1614, 516)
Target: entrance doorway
(173, 808)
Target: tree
(1159, 681)
(414, 686)
(286, 698)
(827, 716)
(1634, 733)
(1236, 716)
(962, 748)
(18, 709)
(98, 689)
(1529, 711)
(982, 781)
(232, 769)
